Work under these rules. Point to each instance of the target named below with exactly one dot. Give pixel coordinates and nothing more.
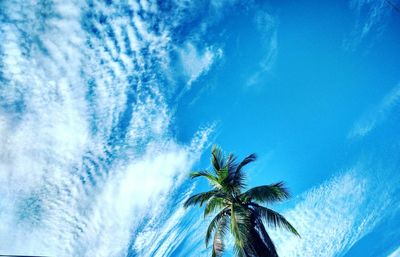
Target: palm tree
(240, 212)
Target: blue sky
(106, 106)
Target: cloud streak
(334, 216)
(371, 24)
(195, 63)
(395, 253)
(379, 113)
(267, 26)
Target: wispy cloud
(196, 63)
(138, 192)
(161, 237)
(267, 26)
(332, 217)
(371, 19)
(379, 113)
(395, 253)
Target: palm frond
(274, 219)
(217, 158)
(214, 224)
(221, 230)
(251, 158)
(268, 193)
(213, 180)
(213, 204)
(222, 176)
(231, 164)
(229, 184)
(240, 226)
(240, 251)
(237, 182)
(237, 177)
(262, 243)
(200, 198)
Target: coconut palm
(239, 212)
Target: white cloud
(162, 235)
(379, 113)
(158, 239)
(196, 63)
(138, 190)
(395, 253)
(74, 182)
(325, 218)
(332, 217)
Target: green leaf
(231, 164)
(213, 204)
(200, 198)
(274, 219)
(214, 224)
(251, 158)
(237, 177)
(217, 158)
(220, 232)
(268, 193)
(240, 225)
(222, 176)
(211, 178)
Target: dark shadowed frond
(200, 198)
(231, 164)
(236, 181)
(229, 184)
(263, 244)
(214, 203)
(268, 193)
(217, 158)
(274, 219)
(251, 158)
(237, 177)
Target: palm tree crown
(238, 211)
